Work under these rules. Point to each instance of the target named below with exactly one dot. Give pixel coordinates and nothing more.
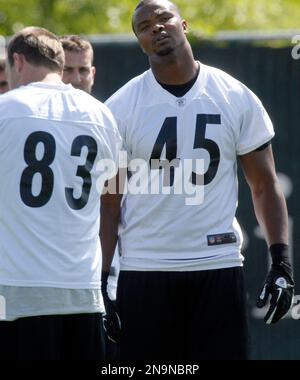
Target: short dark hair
(2, 64)
(145, 2)
(39, 46)
(140, 5)
(77, 44)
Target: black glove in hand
(280, 285)
(111, 319)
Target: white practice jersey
(52, 139)
(216, 120)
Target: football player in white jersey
(180, 292)
(54, 138)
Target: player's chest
(183, 131)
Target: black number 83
(42, 166)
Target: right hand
(111, 319)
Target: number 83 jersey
(52, 140)
(193, 225)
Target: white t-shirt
(216, 120)
(52, 140)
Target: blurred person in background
(79, 56)
(3, 77)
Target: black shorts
(183, 315)
(53, 337)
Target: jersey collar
(54, 86)
(165, 96)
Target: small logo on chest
(181, 102)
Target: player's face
(3, 82)
(159, 28)
(78, 70)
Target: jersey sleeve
(256, 127)
(117, 108)
(116, 143)
(114, 139)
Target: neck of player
(176, 68)
(39, 74)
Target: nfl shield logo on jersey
(181, 102)
(211, 240)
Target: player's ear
(19, 61)
(93, 71)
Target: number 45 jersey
(202, 134)
(52, 140)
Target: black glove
(279, 284)
(111, 319)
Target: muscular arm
(110, 216)
(271, 212)
(268, 199)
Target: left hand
(280, 285)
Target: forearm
(110, 216)
(271, 212)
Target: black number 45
(42, 166)
(168, 137)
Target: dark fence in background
(275, 77)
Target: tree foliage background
(113, 16)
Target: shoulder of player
(12, 102)
(224, 80)
(126, 96)
(233, 91)
(96, 111)
(86, 102)
(12, 95)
